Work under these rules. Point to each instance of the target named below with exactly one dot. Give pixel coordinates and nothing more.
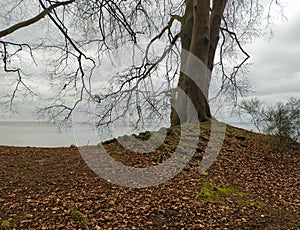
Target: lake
(28, 133)
(38, 134)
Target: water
(36, 134)
(24, 133)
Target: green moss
(245, 202)
(173, 148)
(240, 145)
(162, 148)
(119, 150)
(228, 191)
(214, 194)
(119, 153)
(162, 153)
(5, 223)
(205, 128)
(160, 159)
(174, 131)
(79, 216)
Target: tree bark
(186, 36)
(195, 39)
(200, 36)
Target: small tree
(253, 108)
(282, 120)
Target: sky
(275, 74)
(275, 71)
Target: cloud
(276, 70)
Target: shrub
(282, 120)
(253, 107)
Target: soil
(253, 184)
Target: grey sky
(276, 71)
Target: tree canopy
(72, 39)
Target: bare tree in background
(77, 34)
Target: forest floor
(253, 184)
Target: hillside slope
(254, 184)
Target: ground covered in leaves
(253, 184)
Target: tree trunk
(199, 36)
(195, 39)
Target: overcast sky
(275, 74)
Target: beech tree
(80, 32)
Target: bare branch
(6, 60)
(33, 20)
